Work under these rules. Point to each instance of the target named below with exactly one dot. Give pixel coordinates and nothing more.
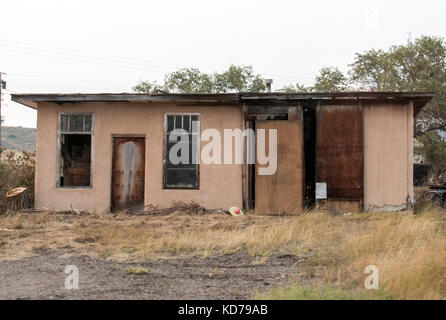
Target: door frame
(118, 135)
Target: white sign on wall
(321, 190)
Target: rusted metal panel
(282, 192)
(340, 151)
(128, 172)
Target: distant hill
(19, 138)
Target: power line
(89, 53)
(34, 52)
(109, 60)
(61, 78)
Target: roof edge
(32, 99)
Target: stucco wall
(388, 174)
(388, 156)
(220, 185)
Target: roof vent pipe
(268, 83)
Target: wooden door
(281, 192)
(128, 172)
(340, 151)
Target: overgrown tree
(417, 66)
(329, 79)
(433, 148)
(147, 87)
(295, 88)
(238, 79)
(189, 80)
(192, 80)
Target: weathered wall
(388, 156)
(388, 175)
(220, 185)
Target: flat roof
(275, 98)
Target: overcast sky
(107, 46)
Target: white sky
(107, 46)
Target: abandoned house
(346, 151)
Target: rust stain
(340, 151)
(128, 172)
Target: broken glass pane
(88, 120)
(178, 122)
(170, 120)
(181, 178)
(64, 122)
(186, 123)
(76, 122)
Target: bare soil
(233, 276)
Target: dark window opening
(182, 175)
(75, 160)
(75, 150)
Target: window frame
(197, 165)
(59, 147)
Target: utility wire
(107, 59)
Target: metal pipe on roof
(268, 83)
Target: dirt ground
(189, 255)
(233, 276)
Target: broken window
(182, 134)
(75, 149)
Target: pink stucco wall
(220, 185)
(388, 156)
(388, 176)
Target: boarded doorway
(128, 173)
(282, 192)
(340, 156)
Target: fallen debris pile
(178, 206)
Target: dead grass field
(409, 250)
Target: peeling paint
(128, 172)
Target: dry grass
(322, 292)
(409, 250)
(16, 170)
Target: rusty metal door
(340, 151)
(281, 192)
(128, 172)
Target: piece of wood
(17, 199)
(282, 192)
